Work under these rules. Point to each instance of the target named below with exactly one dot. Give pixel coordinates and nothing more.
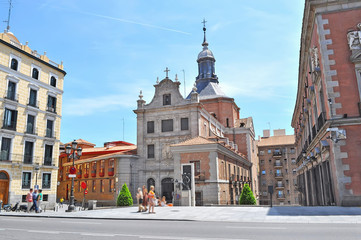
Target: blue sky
(112, 49)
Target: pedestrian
(35, 200)
(145, 199)
(151, 197)
(40, 199)
(140, 200)
(29, 199)
(61, 202)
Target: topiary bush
(124, 197)
(247, 197)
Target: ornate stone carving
(314, 59)
(354, 38)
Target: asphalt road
(63, 228)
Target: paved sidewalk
(227, 214)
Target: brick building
(103, 169)
(327, 113)
(172, 130)
(277, 161)
(31, 88)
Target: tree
(247, 197)
(124, 197)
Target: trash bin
(92, 204)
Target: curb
(102, 218)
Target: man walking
(35, 200)
(29, 199)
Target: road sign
(72, 170)
(72, 175)
(85, 192)
(83, 185)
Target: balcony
(48, 161)
(110, 172)
(51, 109)
(278, 176)
(101, 172)
(278, 165)
(93, 173)
(281, 196)
(31, 130)
(11, 95)
(5, 156)
(33, 103)
(49, 133)
(277, 154)
(280, 186)
(9, 125)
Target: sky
(112, 49)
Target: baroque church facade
(203, 131)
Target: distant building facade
(104, 170)
(277, 156)
(327, 113)
(203, 130)
(31, 88)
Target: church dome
(12, 37)
(205, 53)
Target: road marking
(269, 228)
(98, 234)
(40, 231)
(72, 222)
(187, 238)
(23, 220)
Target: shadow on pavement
(314, 211)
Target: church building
(203, 131)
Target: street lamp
(73, 155)
(37, 168)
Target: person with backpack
(29, 199)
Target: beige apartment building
(277, 161)
(31, 88)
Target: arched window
(14, 64)
(53, 81)
(3, 176)
(35, 73)
(150, 182)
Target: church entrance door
(167, 189)
(4, 187)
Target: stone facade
(169, 122)
(30, 124)
(327, 118)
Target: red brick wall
(339, 24)
(223, 108)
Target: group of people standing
(147, 200)
(34, 198)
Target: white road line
(22, 220)
(98, 234)
(186, 238)
(40, 231)
(269, 228)
(72, 222)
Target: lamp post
(70, 152)
(37, 168)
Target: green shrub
(247, 197)
(124, 197)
